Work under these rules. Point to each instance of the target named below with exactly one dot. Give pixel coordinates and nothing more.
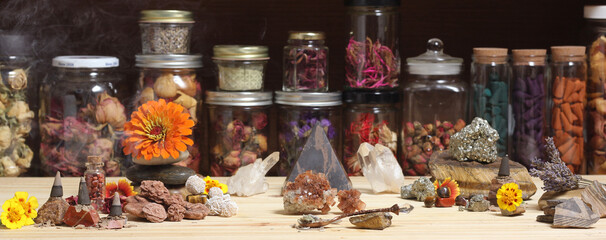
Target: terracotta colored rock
(154, 212)
(134, 205)
(349, 201)
(175, 213)
(460, 201)
(195, 211)
(154, 191)
(519, 210)
(445, 202)
(309, 192)
(81, 215)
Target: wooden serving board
(474, 177)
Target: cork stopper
(94, 159)
(529, 56)
(116, 208)
(490, 55)
(568, 53)
(57, 189)
(83, 198)
(504, 168)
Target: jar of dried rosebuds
(80, 116)
(300, 112)
(165, 31)
(372, 58)
(241, 68)
(568, 90)
(173, 78)
(238, 129)
(306, 63)
(372, 117)
(18, 92)
(435, 106)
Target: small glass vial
(241, 68)
(81, 115)
(238, 129)
(490, 77)
(372, 59)
(305, 63)
(596, 90)
(368, 117)
(299, 112)
(528, 99)
(568, 85)
(95, 181)
(165, 31)
(435, 106)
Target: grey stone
(167, 174)
(477, 203)
(419, 189)
(574, 213)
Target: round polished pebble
(443, 192)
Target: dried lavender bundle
(554, 173)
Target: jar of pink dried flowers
(305, 63)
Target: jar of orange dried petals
(568, 83)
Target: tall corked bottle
(372, 60)
(491, 75)
(568, 83)
(435, 106)
(596, 90)
(528, 99)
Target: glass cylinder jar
(79, 116)
(490, 77)
(528, 99)
(372, 58)
(173, 78)
(370, 117)
(16, 90)
(299, 113)
(306, 63)
(95, 181)
(435, 106)
(568, 85)
(238, 129)
(165, 31)
(596, 90)
(241, 68)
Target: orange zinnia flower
(158, 129)
(123, 188)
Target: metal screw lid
(244, 99)
(313, 99)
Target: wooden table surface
(262, 217)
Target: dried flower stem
(322, 222)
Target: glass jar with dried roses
(173, 78)
(299, 113)
(238, 129)
(369, 116)
(79, 116)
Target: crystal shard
(250, 179)
(317, 155)
(381, 168)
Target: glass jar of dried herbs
(241, 67)
(306, 62)
(372, 60)
(165, 31)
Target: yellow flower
(28, 206)
(509, 197)
(210, 183)
(13, 216)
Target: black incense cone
(504, 168)
(83, 198)
(116, 208)
(57, 189)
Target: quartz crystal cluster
(220, 204)
(309, 192)
(380, 167)
(475, 142)
(250, 179)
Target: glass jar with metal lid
(166, 31)
(299, 113)
(173, 78)
(306, 63)
(241, 67)
(435, 106)
(81, 116)
(372, 117)
(238, 129)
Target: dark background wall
(110, 27)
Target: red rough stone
(445, 202)
(349, 201)
(81, 215)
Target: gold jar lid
(306, 35)
(240, 52)
(166, 16)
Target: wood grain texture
(261, 217)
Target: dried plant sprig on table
(554, 173)
(311, 221)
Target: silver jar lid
(313, 99)
(85, 61)
(244, 99)
(169, 61)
